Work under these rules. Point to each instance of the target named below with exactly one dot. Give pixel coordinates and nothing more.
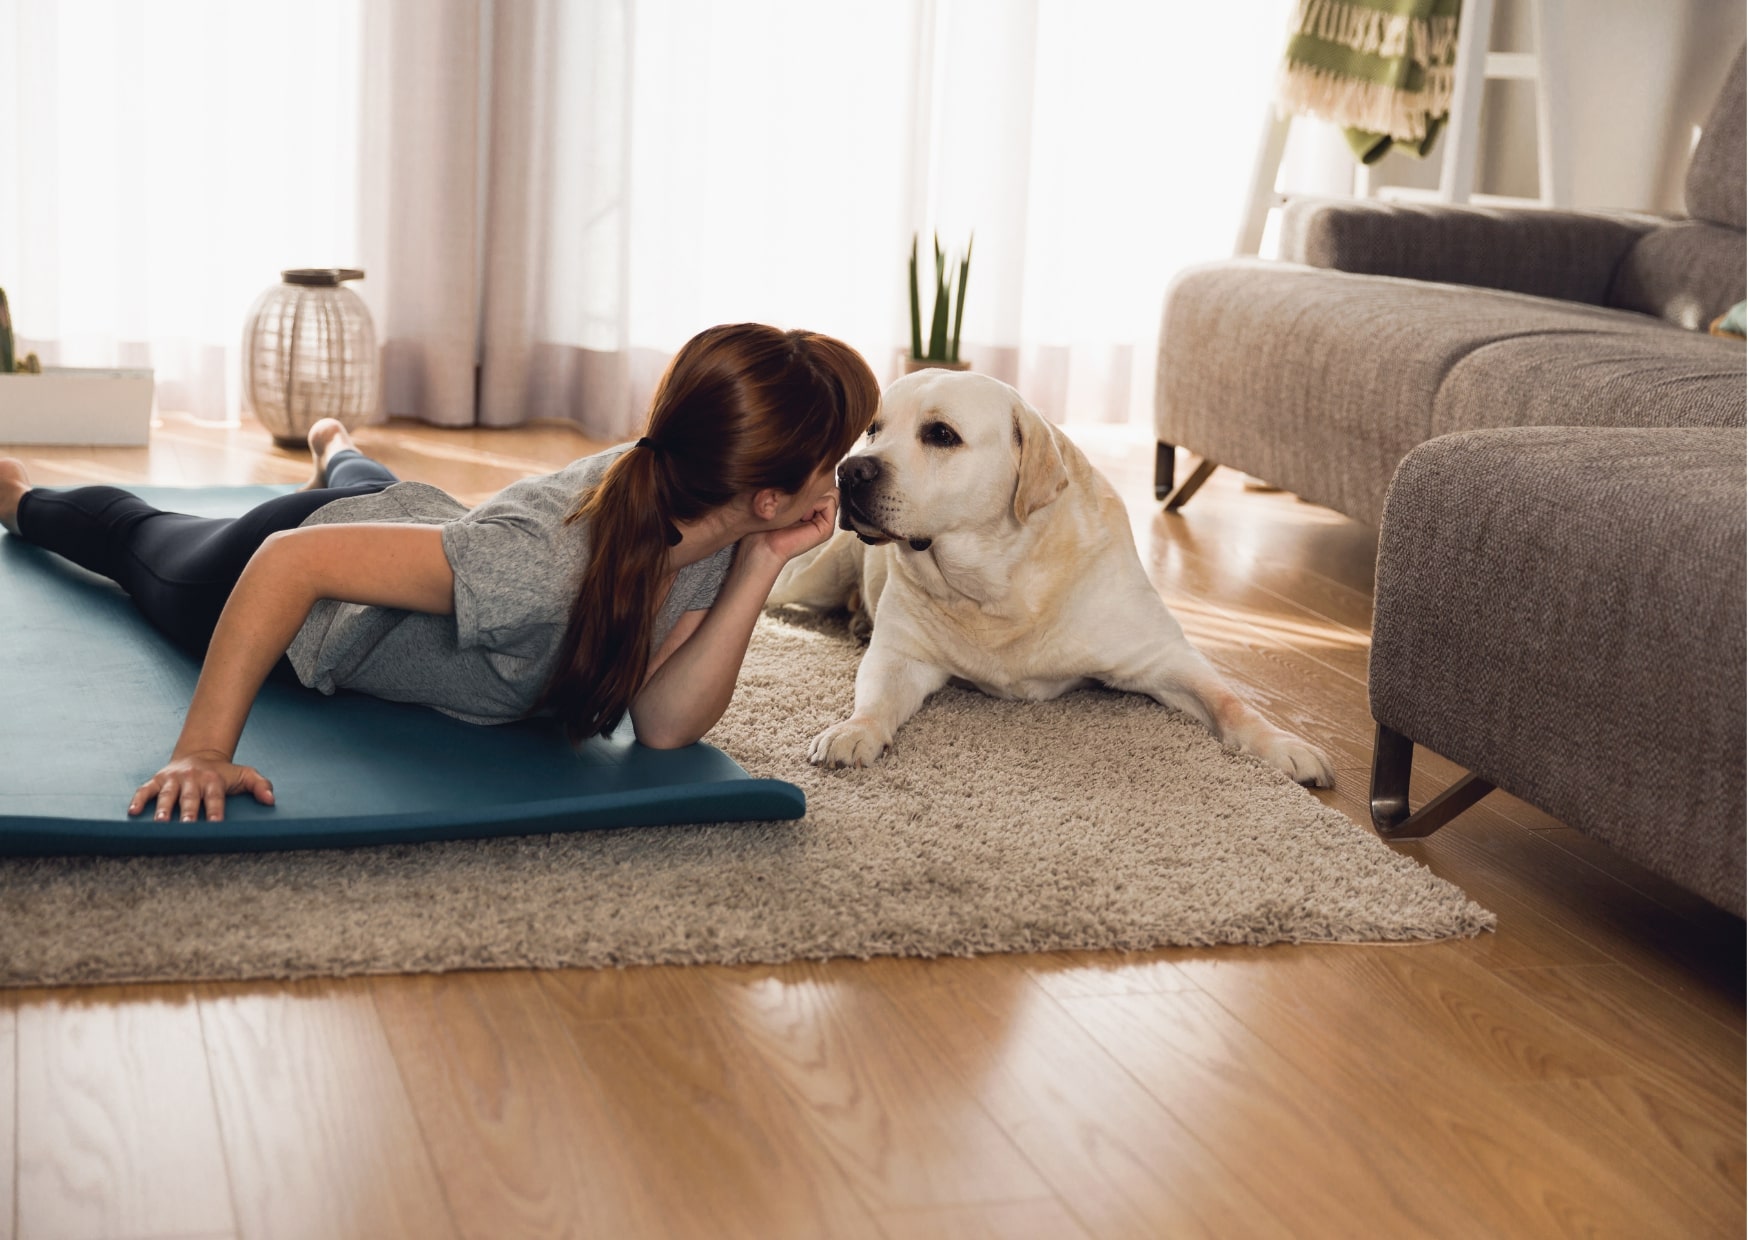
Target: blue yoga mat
(92, 700)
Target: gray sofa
(1527, 405)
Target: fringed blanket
(1381, 69)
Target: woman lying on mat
(626, 582)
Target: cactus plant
(947, 309)
(7, 358)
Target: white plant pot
(67, 405)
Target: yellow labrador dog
(980, 544)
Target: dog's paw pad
(1300, 761)
(848, 744)
(1309, 766)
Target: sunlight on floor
(1248, 628)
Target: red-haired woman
(626, 582)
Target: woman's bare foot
(14, 482)
(326, 437)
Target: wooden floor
(1578, 1073)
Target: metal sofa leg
(1203, 471)
(1392, 762)
(1164, 468)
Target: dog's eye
(873, 429)
(940, 435)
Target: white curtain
(161, 161)
(550, 196)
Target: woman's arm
(692, 685)
(696, 669)
(384, 565)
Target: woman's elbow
(662, 738)
(655, 732)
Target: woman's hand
(202, 777)
(806, 534)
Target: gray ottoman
(1561, 611)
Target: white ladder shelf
(1475, 65)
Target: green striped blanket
(1381, 69)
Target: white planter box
(65, 405)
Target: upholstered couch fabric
(1684, 271)
(1551, 366)
(1716, 183)
(1571, 255)
(1561, 611)
(1322, 381)
(1688, 273)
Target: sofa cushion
(1596, 368)
(1688, 273)
(1715, 176)
(1561, 611)
(1322, 381)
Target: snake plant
(7, 358)
(942, 346)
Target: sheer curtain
(597, 181)
(550, 196)
(160, 162)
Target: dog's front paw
(854, 742)
(1303, 762)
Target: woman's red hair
(741, 408)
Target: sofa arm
(1570, 255)
(1561, 611)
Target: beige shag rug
(1099, 820)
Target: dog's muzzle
(858, 479)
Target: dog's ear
(1043, 476)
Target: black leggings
(179, 569)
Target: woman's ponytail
(741, 408)
(609, 643)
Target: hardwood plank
(1519, 1163)
(1047, 1219)
(1688, 1145)
(720, 1148)
(1483, 1029)
(117, 1133)
(1068, 975)
(1307, 1152)
(894, 1118)
(518, 1135)
(642, 992)
(1631, 930)
(320, 1138)
(1226, 620)
(1123, 1163)
(1643, 1023)
(60, 471)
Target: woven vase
(309, 352)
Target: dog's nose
(858, 471)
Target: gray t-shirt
(517, 570)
